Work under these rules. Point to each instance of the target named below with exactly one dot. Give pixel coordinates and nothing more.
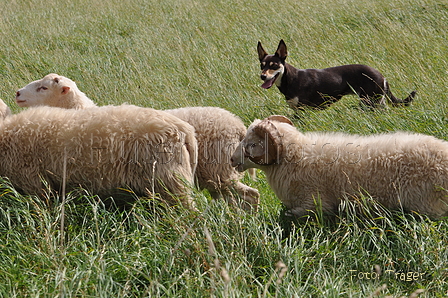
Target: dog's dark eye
(262, 65)
(274, 66)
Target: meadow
(168, 54)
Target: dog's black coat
(322, 87)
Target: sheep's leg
(297, 212)
(225, 193)
(252, 173)
(188, 202)
(250, 196)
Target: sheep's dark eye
(41, 88)
(251, 146)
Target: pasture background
(168, 54)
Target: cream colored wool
(399, 170)
(106, 148)
(4, 110)
(218, 132)
(55, 91)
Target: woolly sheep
(218, 132)
(399, 170)
(105, 148)
(53, 90)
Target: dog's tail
(397, 101)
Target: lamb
(398, 170)
(105, 148)
(55, 91)
(218, 132)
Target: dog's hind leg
(373, 102)
(371, 99)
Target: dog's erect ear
(261, 52)
(281, 52)
(280, 118)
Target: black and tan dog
(322, 87)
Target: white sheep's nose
(17, 93)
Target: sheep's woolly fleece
(55, 91)
(4, 110)
(106, 148)
(218, 133)
(399, 170)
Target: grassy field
(168, 54)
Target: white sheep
(105, 148)
(55, 91)
(399, 170)
(218, 132)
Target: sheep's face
(47, 91)
(262, 145)
(250, 152)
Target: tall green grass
(168, 54)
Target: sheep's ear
(280, 118)
(56, 80)
(65, 89)
(261, 52)
(270, 143)
(281, 52)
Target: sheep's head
(49, 91)
(262, 145)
